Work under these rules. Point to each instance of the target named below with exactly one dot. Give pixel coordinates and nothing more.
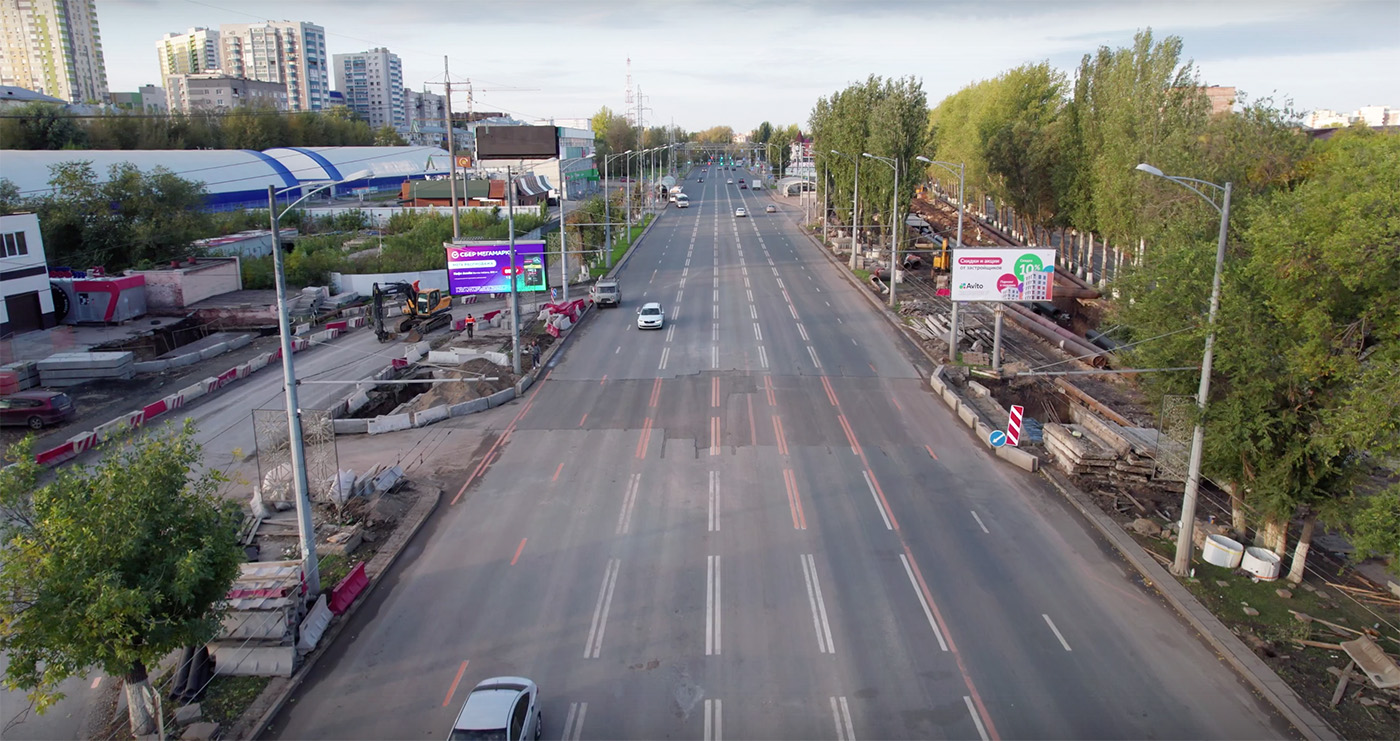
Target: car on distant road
(500, 709)
(770, 208)
(729, 181)
(741, 211)
(650, 316)
(36, 409)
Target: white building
(26, 301)
(426, 118)
(292, 53)
(1371, 115)
(1377, 115)
(219, 92)
(372, 82)
(193, 52)
(53, 47)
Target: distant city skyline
(740, 62)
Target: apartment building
(146, 99)
(292, 53)
(372, 82)
(53, 47)
(216, 91)
(193, 52)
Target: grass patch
(333, 568)
(227, 697)
(620, 246)
(864, 275)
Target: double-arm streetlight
(607, 212)
(305, 528)
(894, 219)
(961, 170)
(1182, 565)
(855, 204)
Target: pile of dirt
(454, 393)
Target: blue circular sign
(997, 438)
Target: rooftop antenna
(631, 117)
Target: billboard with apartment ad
(484, 267)
(1003, 274)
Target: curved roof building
(238, 178)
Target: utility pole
(514, 296)
(452, 152)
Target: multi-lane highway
(757, 522)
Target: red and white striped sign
(1013, 426)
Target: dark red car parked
(36, 409)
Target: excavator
(422, 311)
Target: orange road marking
(896, 404)
(585, 416)
(768, 386)
(714, 391)
(453, 689)
(518, 549)
(799, 518)
(603, 380)
(646, 436)
(872, 368)
(505, 435)
(967, 679)
(894, 523)
(930, 452)
(778, 432)
(830, 393)
(753, 430)
(850, 435)
(655, 392)
(557, 470)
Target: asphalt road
(758, 522)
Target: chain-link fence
(1174, 429)
(275, 456)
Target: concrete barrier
(54, 455)
(117, 426)
(468, 407)
(983, 432)
(193, 392)
(83, 441)
(950, 398)
(967, 415)
(342, 324)
(299, 344)
(350, 426)
(937, 384)
(500, 397)
(154, 409)
(302, 329)
(430, 415)
(1019, 458)
(356, 401)
(213, 350)
(523, 384)
(389, 423)
(446, 357)
(242, 340)
(411, 355)
(245, 370)
(174, 401)
(151, 366)
(181, 361)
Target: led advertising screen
(484, 267)
(517, 142)
(1003, 274)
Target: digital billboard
(484, 267)
(517, 142)
(1003, 274)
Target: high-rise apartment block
(289, 52)
(53, 47)
(372, 82)
(193, 52)
(218, 92)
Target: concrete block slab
(350, 426)
(431, 415)
(446, 357)
(468, 407)
(950, 398)
(500, 397)
(967, 415)
(151, 366)
(180, 361)
(389, 423)
(936, 384)
(72, 360)
(983, 432)
(1019, 458)
(242, 340)
(356, 401)
(302, 329)
(523, 384)
(213, 351)
(193, 392)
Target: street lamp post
(953, 320)
(607, 211)
(894, 219)
(306, 529)
(855, 205)
(1182, 564)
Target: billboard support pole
(996, 342)
(514, 296)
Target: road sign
(1013, 426)
(997, 438)
(464, 161)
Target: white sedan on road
(650, 316)
(741, 211)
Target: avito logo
(970, 285)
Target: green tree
(113, 566)
(10, 199)
(388, 136)
(41, 126)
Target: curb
(1260, 677)
(622, 261)
(1226, 644)
(280, 689)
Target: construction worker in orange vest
(471, 326)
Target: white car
(770, 208)
(730, 181)
(741, 211)
(650, 316)
(504, 708)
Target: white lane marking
(745, 270)
(841, 712)
(714, 333)
(753, 311)
(838, 319)
(687, 259)
(928, 613)
(679, 294)
(629, 501)
(600, 612)
(685, 273)
(775, 270)
(981, 729)
(716, 298)
(670, 332)
(853, 342)
(818, 605)
(801, 330)
(757, 333)
(714, 311)
(871, 486)
(618, 350)
(676, 311)
(979, 523)
(714, 356)
(573, 724)
(714, 501)
(665, 355)
(762, 357)
(828, 303)
(750, 294)
(812, 352)
(793, 311)
(818, 289)
(746, 283)
(712, 603)
(714, 720)
(681, 285)
(1051, 623)
(780, 284)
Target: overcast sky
(703, 63)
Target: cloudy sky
(703, 63)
